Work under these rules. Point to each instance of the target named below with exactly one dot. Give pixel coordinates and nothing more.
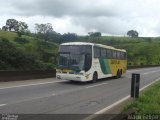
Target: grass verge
(148, 102)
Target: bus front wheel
(95, 77)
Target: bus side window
(103, 53)
(125, 56)
(122, 55)
(109, 53)
(114, 54)
(97, 52)
(118, 55)
(88, 49)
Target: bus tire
(95, 77)
(118, 74)
(121, 73)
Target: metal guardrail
(25, 75)
(35, 74)
(143, 66)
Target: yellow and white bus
(82, 61)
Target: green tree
(22, 28)
(132, 33)
(68, 37)
(94, 34)
(5, 28)
(12, 24)
(44, 30)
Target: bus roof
(77, 43)
(93, 44)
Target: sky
(110, 17)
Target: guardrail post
(135, 83)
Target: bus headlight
(58, 76)
(81, 73)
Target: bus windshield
(72, 61)
(73, 56)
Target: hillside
(31, 53)
(25, 53)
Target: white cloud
(114, 17)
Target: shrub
(21, 40)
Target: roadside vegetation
(26, 53)
(148, 102)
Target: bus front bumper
(73, 77)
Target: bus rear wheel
(119, 74)
(95, 77)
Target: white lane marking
(149, 84)
(31, 99)
(150, 72)
(116, 103)
(96, 85)
(129, 71)
(2, 105)
(140, 69)
(107, 108)
(32, 84)
(135, 70)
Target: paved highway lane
(66, 97)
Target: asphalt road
(77, 100)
